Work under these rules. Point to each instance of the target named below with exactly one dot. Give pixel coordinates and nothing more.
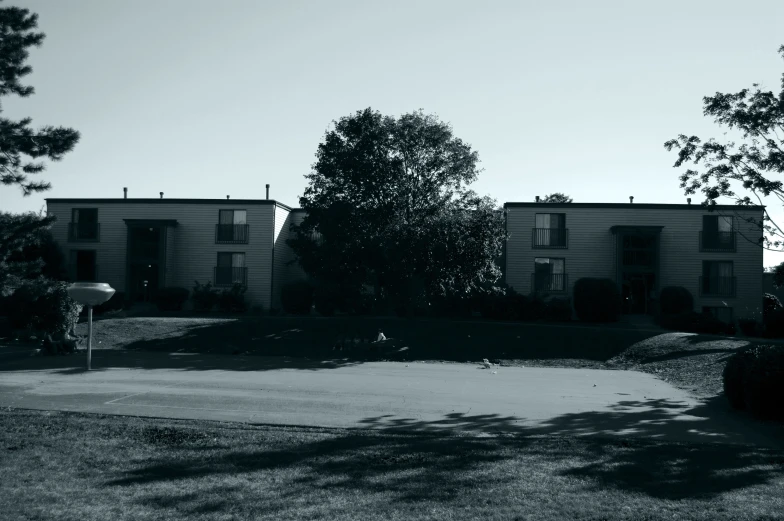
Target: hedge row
(754, 381)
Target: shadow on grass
(424, 460)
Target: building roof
(137, 200)
(643, 206)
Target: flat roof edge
(650, 206)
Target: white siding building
(643, 247)
(138, 245)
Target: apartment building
(643, 247)
(140, 245)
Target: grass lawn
(68, 466)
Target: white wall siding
(282, 253)
(591, 248)
(193, 252)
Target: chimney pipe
(161, 195)
(125, 192)
(227, 197)
(688, 200)
(268, 191)
(537, 198)
(631, 199)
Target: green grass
(68, 466)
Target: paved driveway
(381, 395)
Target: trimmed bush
(674, 300)
(204, 298)
(558, 310)
(774, 323)
(734, 374)
(297, 297)
(597, 300)
(749, 326)
(43, 305)
(327, 298)
(233, 300)
(754, 381)
(770, 303)
(693, 322)
(171, 299)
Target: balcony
(83, 272)
(717, 286)
(551, 283)
(547, 238)
(718, 241)
(84, 232)
(230, 276)
(231, 233)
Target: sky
(203, 99)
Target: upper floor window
(232, 227)
(550, 231)
(717, 233)
(84, 225)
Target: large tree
(387, 204)
(21, 147)
(25, 246)
(557, 197)
(721, 168)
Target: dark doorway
(639, 264)
(637, 292)
(145, 248)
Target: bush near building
(754, 381)
(297, 297)
(674, 300)
(204, 297)
(42, 305)
(171, 298)
(597, 300)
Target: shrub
(204, 297)
(754, 380)
(770, 303)
(232, 299)
(327, 298)
(749, 326)
(674, 300)
(733, 376)
(558, 310)
(774, 323)
(43, 305)
(171, 299)
(297, 297)
(597, 300)
(764, 383)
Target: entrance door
(638, 258)
(144, 261)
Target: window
(718, 279)
(232, 226)
(639, 250)
(84, 224)
(723, 313)
(550, 230)
(717, 233)
(549, 274)
(230, 269)
(83, 266)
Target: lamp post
(90, 294)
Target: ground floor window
(549, 274)
(722, 313)
(230, 269)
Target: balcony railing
(83, 273)
(542, 238)
(84, 232)
(718, 241)
(717, 286)
(230, 276)
(231, 233)
(553, 282)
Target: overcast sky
(206, 99)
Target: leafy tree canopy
(557, 197)
(20, 145)
(387, 204)
(753, 166)
(25, 248)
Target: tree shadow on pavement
(634, 446)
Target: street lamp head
(90, 293)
